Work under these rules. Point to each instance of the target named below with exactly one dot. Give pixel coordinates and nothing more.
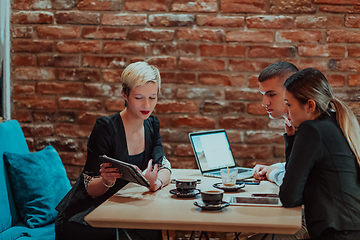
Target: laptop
(212, 152)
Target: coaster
(234, 188)
(211, 207)
(187, 194)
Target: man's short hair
(278, 69)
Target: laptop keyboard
(241, 170)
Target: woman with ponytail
(322, 158)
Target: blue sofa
(12, 223)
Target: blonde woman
(132, 136)
(323, 158)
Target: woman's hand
(290, 130)
(151, 174)
(109, 174)
(262, 172)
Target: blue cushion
(11, 139)
(21, 231)
(39, 183)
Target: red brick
(124, 19)
(232, 122)
(100, 89)
(34, 74)
(145, 5)
(54, 32)
(320, 64)
(78, 47)
(175, 107)
(126, 48)
(246, 65)
(179, 78)
(193, 121)
(58, 61)
(20, 4)
(54, 88)
(353, 51)
(243, 6)
(236, 94)
(171, 20)
(295, 6)
(279, 152)
(266, 21)
(339, 9)
(264, 137)
(112, 75)
(321, 51)
(298, 36)
(194, 6)
(181, 49)
(319, 22)
(32, 17)
(73, 173)
(72, 130)
(103, 62)
(276, 124)
(222, 50)
(174, 135)
(218, 108)
(221, 79)
(220, 21)
(336, 80)
(22, 32)
(78, 75)
(116, 105)
(337, 2)
(201, 64)
(103, 33)
(248, 151)
(23, 60)
(198, 93)
(249, 36)
(271, 52)
(32, 46)
(21, 116)
(352, 21)
(152, 35)
(88, 117)
(77, 17)
(355, 107)
(354, 79)
(209, 35)
(345, 65)
(71, 158)
(34, 102)
(182, 162)
(341, 36)
(256, 109)
(43, 116)
(38, 130)
(55, 4)
(163, 62)
(79, 103)
(20, 88)
(253, 81)
(100, 5)
(183, 150)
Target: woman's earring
(125, 103)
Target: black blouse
(108, 137)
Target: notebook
(212, 152)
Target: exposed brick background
(68, 55)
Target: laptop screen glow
(213, 151)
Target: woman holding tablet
(323, 158)
(131, 136)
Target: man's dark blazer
(322, 174)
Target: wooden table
(135, 207)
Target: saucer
(188, 194)
(234, 188)
(204, 206)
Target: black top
(322, 173)
(108, 137)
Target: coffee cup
(212, 197)
(184, 185)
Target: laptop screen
(212, 150)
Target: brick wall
(68, 55)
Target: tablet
(130, 172)
(255, 201)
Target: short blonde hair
(137, 74)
